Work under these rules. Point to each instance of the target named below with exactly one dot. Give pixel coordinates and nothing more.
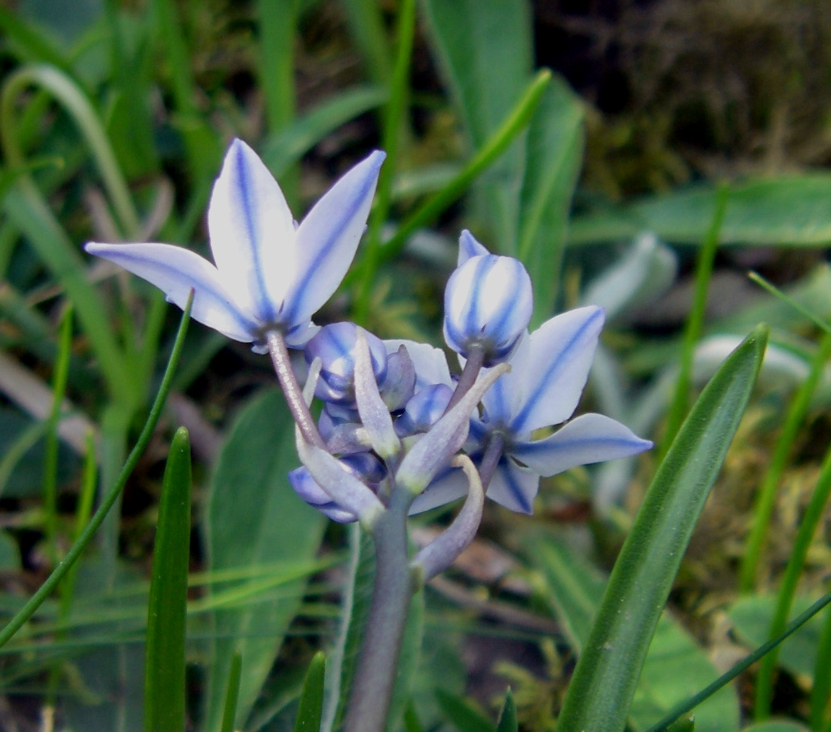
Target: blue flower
(549, 370)
(270, 272)
(488, 302)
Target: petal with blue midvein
(252, 233)
(558, 362)
(591, 438)
(514, 487)
(328, 238)
(177, 271)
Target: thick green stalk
(371, 693)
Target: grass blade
(164, 680)
(310, 711)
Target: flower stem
(493, 453)
(291, 388)
(473, 365)
(371, 692)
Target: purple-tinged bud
(334, 345)
(488, 304)
(424, 410)
(364, 466)
(400, 381)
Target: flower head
(270, 273)
(488, 302)
(549, 370)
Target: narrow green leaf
(485, 51)
(683, 725)
(507, 717)
(411, 721)
(283, 149)
(553, 156)
(254, 518)
(229, 711)
(164, 679)
(461, 714)
(366, 25)
(109, 499)
(606, 676)
(310, 711)
(781, 211)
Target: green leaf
(164, 679)
(675, 667)
(310, 711)
(606, 676)
(789, 210)
(255, 518)
(285, 148)
(682, 725)
(462, 714)
(229, 711)
(752, 618)
(485, 50)
(776, 726)
(507, 717)
(553, 156)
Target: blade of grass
(695, 321)
(821, 690)
(787, 591)
(310, 711)
(88, 533)
(367, 28)
(507, 717)
(514, 125)
(606, 675)
(766, 498)
(392, 128)
(50, 462)
(742, 666)
(164, 680)
(229, 712)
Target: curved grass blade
(112, 496)
(164, 676)
(310, 711)
(606, 675)
(232, 694)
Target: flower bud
(424, 410)
(364, 466)
(488, 304)
(335, 346)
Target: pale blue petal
(504, 399)
(176, 271)
(469, 247)
(514, 487)
(559, 359)
(328, 237)
(447, 487)
(430, 362)
(591, 438)
(252, 233)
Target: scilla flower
(488, 303)
(548, 373)
(271, 274)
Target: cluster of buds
(394, 420)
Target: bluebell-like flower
(548, 373)
(488, 302)
(270, 272)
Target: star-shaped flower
(549, 370)
(270, 273)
